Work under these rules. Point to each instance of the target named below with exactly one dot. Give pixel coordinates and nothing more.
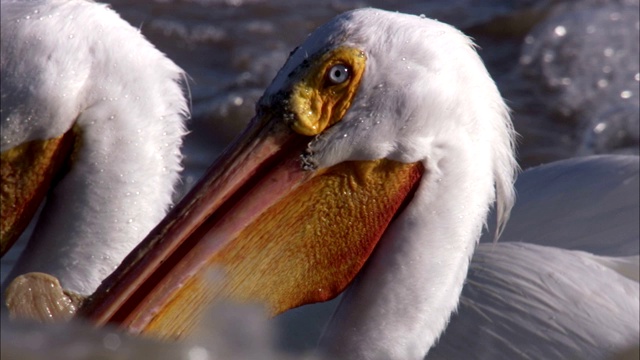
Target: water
(569, 70)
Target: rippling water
(569, 70)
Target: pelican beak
(278, 232)
(27, 171)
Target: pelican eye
(322, 90)
(338, 74)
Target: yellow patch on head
(326, 89)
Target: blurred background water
(568, 69)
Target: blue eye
(338, 74)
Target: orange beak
(279, 233)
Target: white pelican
(82, 90)
(378, 117)
(382, 129)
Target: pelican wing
(587, 203)
(526, 301)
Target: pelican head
(416, 85)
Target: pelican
(98, 113)
(372, 162)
